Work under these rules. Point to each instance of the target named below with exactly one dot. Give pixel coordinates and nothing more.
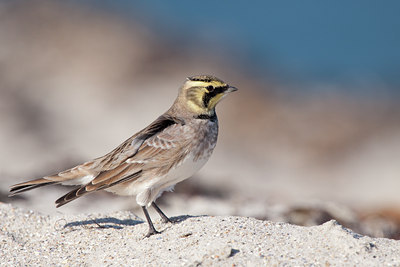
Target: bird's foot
(152, 232)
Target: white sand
(29, 238)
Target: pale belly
(183, 171)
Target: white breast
(186, 169)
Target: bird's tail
(26, 186)
(71, 176)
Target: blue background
(338, 42)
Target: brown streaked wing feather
(155, 146)
(130, 147)
(105, 175)
(166, 149)
(123, 169)
(112, 176)
(74, 194)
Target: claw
(151, 232)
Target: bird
(169, 150)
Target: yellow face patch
(214, 101)
(195, 107)
(200, 96)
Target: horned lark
(168, 151)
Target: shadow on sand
(111, 222)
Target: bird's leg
(164, 218)
(152, 230)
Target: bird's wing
(159, 152)
(165, 149)
(130, 147)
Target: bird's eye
(210, 88)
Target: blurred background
(312, 134)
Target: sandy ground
(30, 238)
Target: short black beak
(231, 89)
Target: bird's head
(201, 93)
